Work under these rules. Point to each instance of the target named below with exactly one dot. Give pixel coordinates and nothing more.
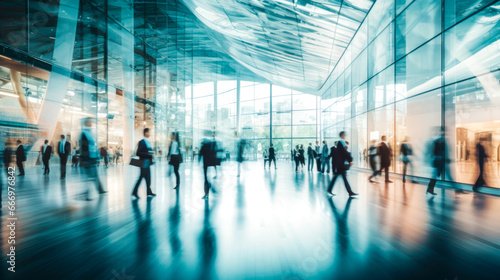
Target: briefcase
(136, 162)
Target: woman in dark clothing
(175, 157)
(296, 157)
(302, 158)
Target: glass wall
(417, 66)
(265, 114)
(63, 61)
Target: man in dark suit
(20, 157)
(272, 157)
(481, 158)
(342, 159)
(63, 150)
(385, 154)
(310, 157)
(145, 153)
(208, 152)
(317, 149)
(46, 151)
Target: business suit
(208, 152)
(63, 150)
(481, 158)
(145, 153)
(46, 151)
(310, 158)
(317, 149)
(385, 153)
(20, 158)
(272, 157)
(340, 157)
(324, 159)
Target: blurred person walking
(74, 157)
(325, 155)
(439, 158)
(208, 152)
(104, 156)
(265, 155)
(145, 154)
(310, 157)
(342, 161)
(174, 157)
(46, 152)
(317, 151)
(302, 158)
(20, 157)
(481, 158)
(385, 153)
(89, 155)
(405, 155)
(296, 158)
(63, 150)
(272, 157)
(239, 155)
(373, 155)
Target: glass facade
(371, 68)
(413, 66)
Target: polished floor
(267, 224)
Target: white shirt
(174, 148)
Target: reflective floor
(274, 224)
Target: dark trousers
(93, 176)
(433, 181)
(480, 179)
(318, 164)
(373, 166)
(46, 167)
(63, 160)
(297, 162)
(146, 174)
(405, 169)
(386, 170)
(207, 184)
(272, 159)
(343, 173)
(106, 160)
(310, 163)
(177, 176)
(20, 166)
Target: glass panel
(417, 24)
(472, 114)
(471, 47)
(416, 118)
(381, 89)
(420, 71)
(456, 10)
(381, 51)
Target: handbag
(134, 161)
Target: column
(60, 74)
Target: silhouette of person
(46, 151)
(145, 154)
(90, 155)
(385, 153)
(405, 153)
(175, 157)
(481, 158)
(63, 150)
(343, 160)
(20, 157)
(373, 155)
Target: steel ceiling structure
(294, 43)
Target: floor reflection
(267, 224)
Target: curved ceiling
(294, 43)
